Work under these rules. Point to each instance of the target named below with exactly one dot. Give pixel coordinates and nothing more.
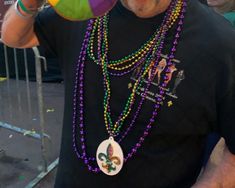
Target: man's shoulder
(211, 26)
(207, 18)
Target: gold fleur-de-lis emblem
(170, 103)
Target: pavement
(21, 155)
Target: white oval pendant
(109, 157)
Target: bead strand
(78, 94)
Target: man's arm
(17, 29)
(220, 175)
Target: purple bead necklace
(156, 49)
(78, 96)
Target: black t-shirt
(200, 97)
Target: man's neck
(146, 8)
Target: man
(104, 105)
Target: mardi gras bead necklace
(132, 59)
(109, 154)
(114, 130)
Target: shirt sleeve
(46, 29)
(226, 99)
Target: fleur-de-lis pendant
(109, 157)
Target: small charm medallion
(109, 157)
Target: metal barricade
(24, 132)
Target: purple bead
(151, 120)
(163, 85)
(89, 168)
(146, 133)
(133, 150)
(129, 155)
(168, 70)
(171, 56)
(92, 159)
(159, 99)
(169, 64)
(154, 113)
(86, 161)
(96, 170)
(178, 29)
(143, 95)
(84, 155)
